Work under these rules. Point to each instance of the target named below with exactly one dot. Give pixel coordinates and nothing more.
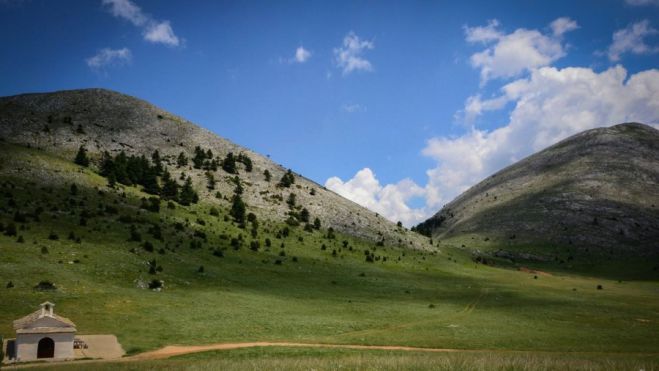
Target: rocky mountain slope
(597, 192)
(101, 120)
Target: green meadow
(299, 287)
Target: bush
(148, 246)
(45, 286)
(218, 253)
(214, 212)
(156, 284)
(10, 230)
(201, 269)
(599, 287)
(255, 245)
(9, 286)
(53, 236)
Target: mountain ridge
(104, 120)
(595, 189)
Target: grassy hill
(589, 201)
(102, 247)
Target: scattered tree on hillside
(267, 175)
(210, 178)
(81, 157)
(169, 190)
(287, 179)
(238, 209)
(229, 164)
(182, 160)
(304, 215)
(316, 223)
(157, 162)
(245, 160)
(188, 195)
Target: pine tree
(238, 209)
(150, 181)
(316, 223)
(182, 160)
(211, 181)
(267, 175)
(169, 189)
(229, 164)
(157, 162)
(199, 157)
(287, 180)
(81, 158)
(304, 215)
(188, 195)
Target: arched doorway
(46, 348)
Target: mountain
(596, 193)
(60, 123)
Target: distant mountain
(596, 192)
(60, 123)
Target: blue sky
(399, 106)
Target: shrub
(254, 245)
(268, 243)
(267, 175)
(10, 230)
(148, 246)
(73, 190)
(201, 269)
(599, 287)
(10, 285)
(53, 236)
(45, 286)
(218, 253)
(156, 284)
(44, 250)
(214, 212)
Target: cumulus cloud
(562, 25)
(389, 201)
(153, 30)
(349, 57)
(550, 105)
(109, 57)
(519, 51)
(632, 40)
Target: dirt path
(177, 350)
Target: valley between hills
(141, 224)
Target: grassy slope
(245, 296)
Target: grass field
(416, 298)
(323, 359)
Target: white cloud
(153, 30)
(516, 52)
(550, 105)
(352, 108)
(109, 57)
(631, 39)
(389, 201)
(483, 33)
(128, 10)
(161, 33)
(302, 55)
(642, 2)
(562, 25)
(349, 56)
